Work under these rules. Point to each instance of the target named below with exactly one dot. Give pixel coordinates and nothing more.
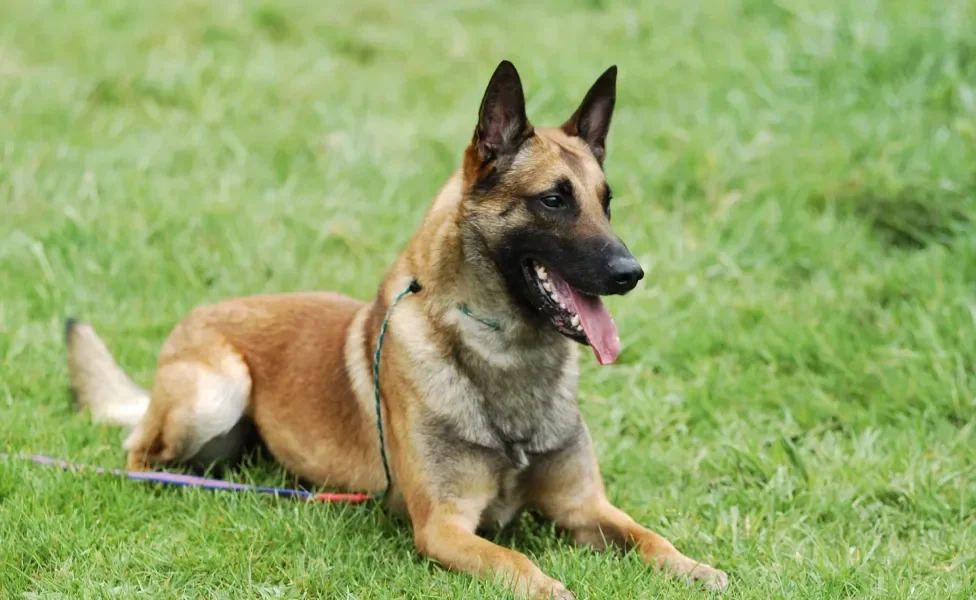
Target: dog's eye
(553, 201)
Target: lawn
(796, 397)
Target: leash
(179, 479)
(413, 288)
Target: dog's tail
(97, 381)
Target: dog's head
(538, 202)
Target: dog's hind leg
(199, 399)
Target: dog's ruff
(480, 422)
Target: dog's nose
(625, 271)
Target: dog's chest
(516, 405)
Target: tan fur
(479, 423)
(94, 375)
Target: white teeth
(575, 321)
(541, 273)
(579, 328)
(562, 306)
(547, 286)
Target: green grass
(796, 399)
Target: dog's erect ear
(502, 125)
(592, 119)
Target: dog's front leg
(599, 522)
(448, 536)
(568, 489)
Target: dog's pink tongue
(598, 325)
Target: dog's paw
(550, 589)
(712, 578)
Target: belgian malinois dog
(497, 290)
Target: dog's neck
(442, 258)
(506, 376)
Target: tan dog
(479, 366)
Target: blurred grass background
(796, 397)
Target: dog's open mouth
(579, 316)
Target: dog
(478, 324)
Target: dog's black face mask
(541, 206)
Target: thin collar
(486, 322)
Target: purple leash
(194, 481)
